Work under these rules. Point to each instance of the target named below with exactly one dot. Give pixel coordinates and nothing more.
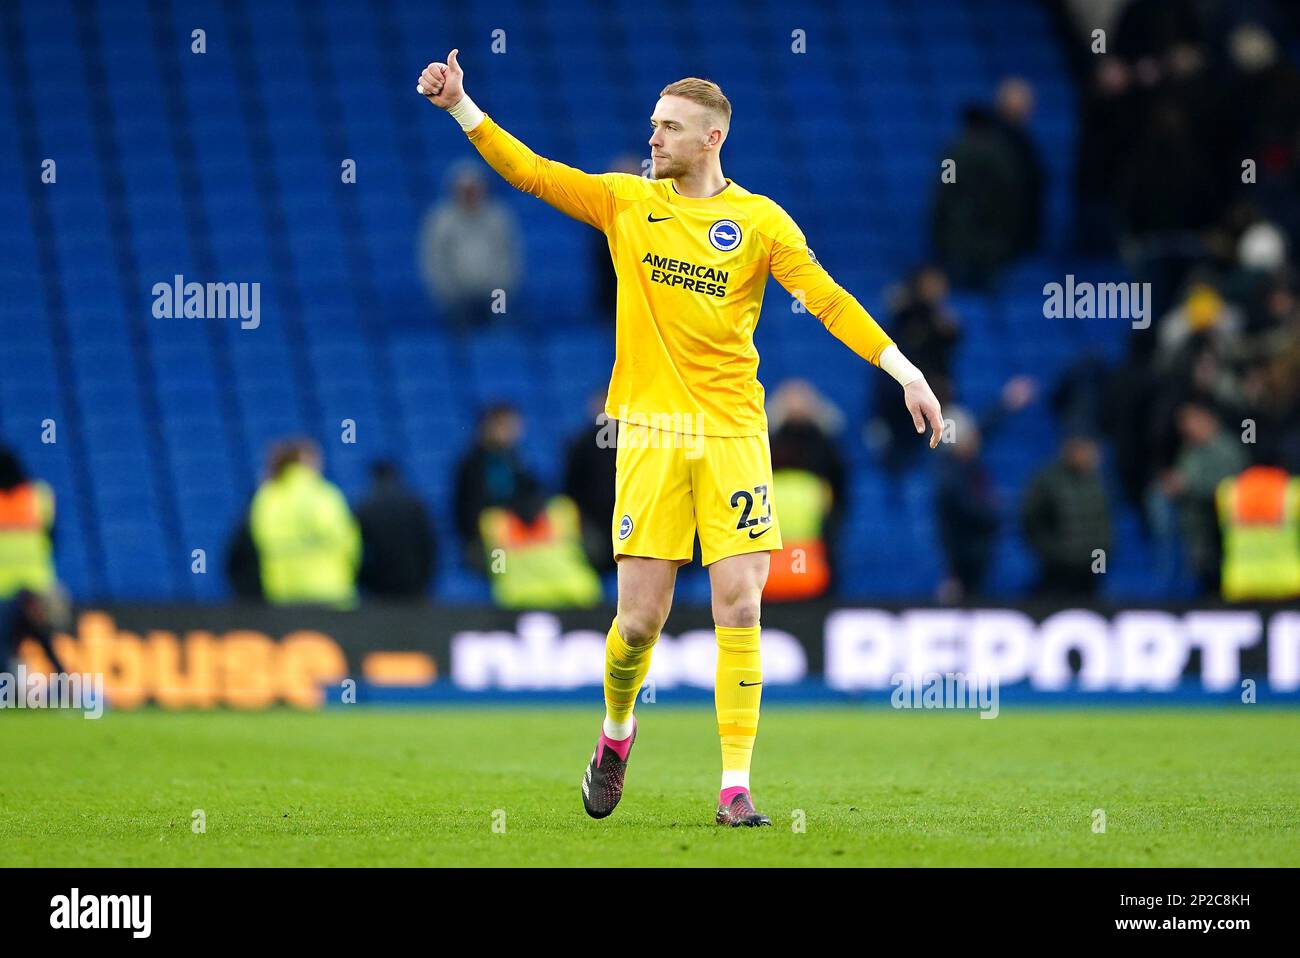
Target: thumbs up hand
(442, 84)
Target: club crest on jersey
(625, 528)
(724, 235)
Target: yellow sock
(736, 694)
(625, 669)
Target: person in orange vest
(1259, 514)
(535, 557)
(31, 603)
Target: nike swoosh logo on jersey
(748, 684)
(651, 218)
(755, 535)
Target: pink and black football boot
(735, 809)
(602, 784)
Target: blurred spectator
(242, 568)
(1258, 268)
(536, 559)
(1163, 90)
(1259, 512)
(1209, 454)
(1272, 383)
(967, 506)
(589, 475)
(308, 545)
(1108, 125)
(1015, 106)
(398, 546)
(1261, 76)
(1201, 354)
(926, 330)
(808, 478)
(1204, 318)
(1169, 87)
(469, 248)
(26, 526)
(530, 546)
(978, 215)
(1161, 227)
(32, 605)
(491, 473)
(1200, 347)
(1065, 518)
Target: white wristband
(897, 365)
(466, 113)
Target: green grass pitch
(500, 786)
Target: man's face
(503, 430)
(799, 402)
(932, 285)
(1016, 102)
(1197, 424)
(1081, 455)
(469, 192)
(683, 134)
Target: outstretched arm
(796, 268)
(584, 196)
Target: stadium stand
(225, 166)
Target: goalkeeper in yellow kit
(692, 251)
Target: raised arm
(584, 196)
(796, 268)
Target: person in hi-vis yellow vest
(801, 569)
(32, 603)
(535, 558)
(308, 543)
(1259, 514)
(26, 551)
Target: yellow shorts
(669, 485)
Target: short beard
(672, 171)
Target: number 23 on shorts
(744, 500)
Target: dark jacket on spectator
(589, 482)
(488, 477)
(1032, 179)
(243, 569)
(1065, 517)
(968, 511)
(977, 218)
(398, 554)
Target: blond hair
(704, 92)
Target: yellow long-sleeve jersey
(691, 276)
